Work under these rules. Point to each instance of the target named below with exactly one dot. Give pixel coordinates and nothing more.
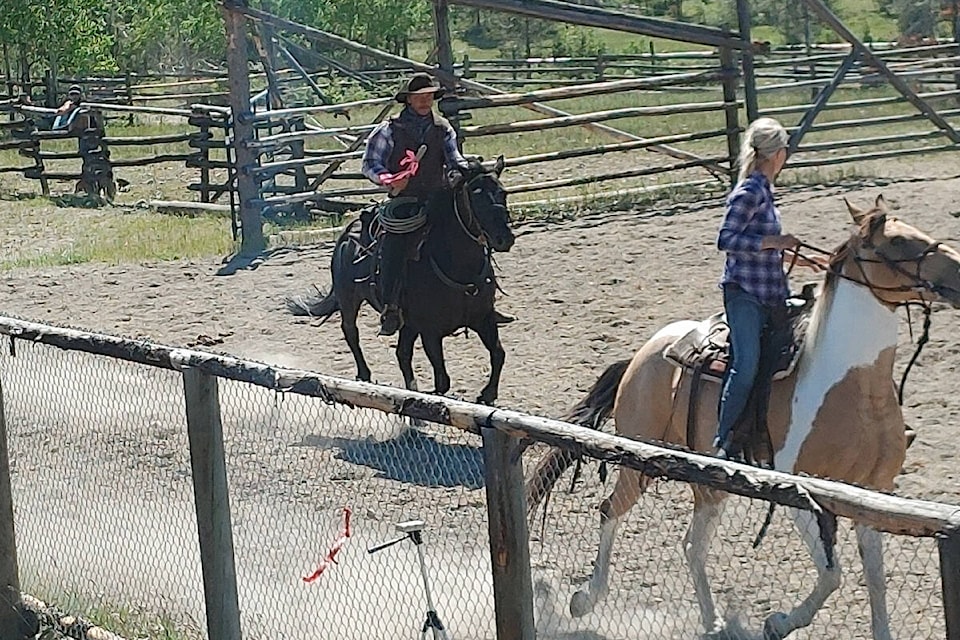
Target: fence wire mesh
(651, 594)
(105, 523)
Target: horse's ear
(880, 204)
(855, 212)
(500, 164)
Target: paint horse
(836, 416)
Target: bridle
(471, 226)
(469, 222)
(837, 259)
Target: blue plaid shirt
(380, 146)
(750, 216)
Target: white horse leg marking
(871, 552)
(584, 600)
(779, 625)
(696, 546)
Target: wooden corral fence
(501, 431)
(712, 93)
(204, 147)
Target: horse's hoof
(487, 398)
(775, 627)
(581, 604)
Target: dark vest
(429, 177)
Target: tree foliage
(76, 36)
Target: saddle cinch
(704, 350)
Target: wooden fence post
(950, 580)
(749, 77)
(509, 542)
(10, 625)
(252, 240)
(731, 111)
(208, 463)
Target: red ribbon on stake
(334, 549)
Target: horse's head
(481, 202)
(898, 262)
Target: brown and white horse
(836, 416)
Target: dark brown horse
(451, 286)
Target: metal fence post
(209, 467)
(10, 625)
(950, 580)
(509, 542)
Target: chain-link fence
(106, 523)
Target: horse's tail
(318, 306)
(589, 412)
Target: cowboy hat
(74, 88)
(419, 83)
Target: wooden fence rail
(500, 429)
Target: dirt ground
(587, 292)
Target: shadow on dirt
(411, 456)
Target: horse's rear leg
(349, 308)
(489, 334)
(871, 553)
(779, 625)
(433, 347)
(707, 509)
(630, 485)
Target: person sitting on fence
(69, 109)
(395, 140)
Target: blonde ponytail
(763, 138)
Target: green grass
(128, 621)
(37, 233)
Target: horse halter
(896, 265)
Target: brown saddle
(704, 349)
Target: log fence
(205, 377)
(32, 139)
(299, 168)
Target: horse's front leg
(405, 344)
(779, 625)
(433, 346)
(871, 553)
(489, 334)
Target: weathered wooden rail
(500, 429)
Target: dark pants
(748, 319)
(395, 250)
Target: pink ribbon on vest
(410, 164)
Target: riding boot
(392, 259)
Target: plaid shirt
(380, 146)
(750, 216)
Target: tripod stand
(413, 530)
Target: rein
(470, 288)
(894, 264)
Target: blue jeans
(747, 318)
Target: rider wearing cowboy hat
(415, 127)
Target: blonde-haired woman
(754, 283)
